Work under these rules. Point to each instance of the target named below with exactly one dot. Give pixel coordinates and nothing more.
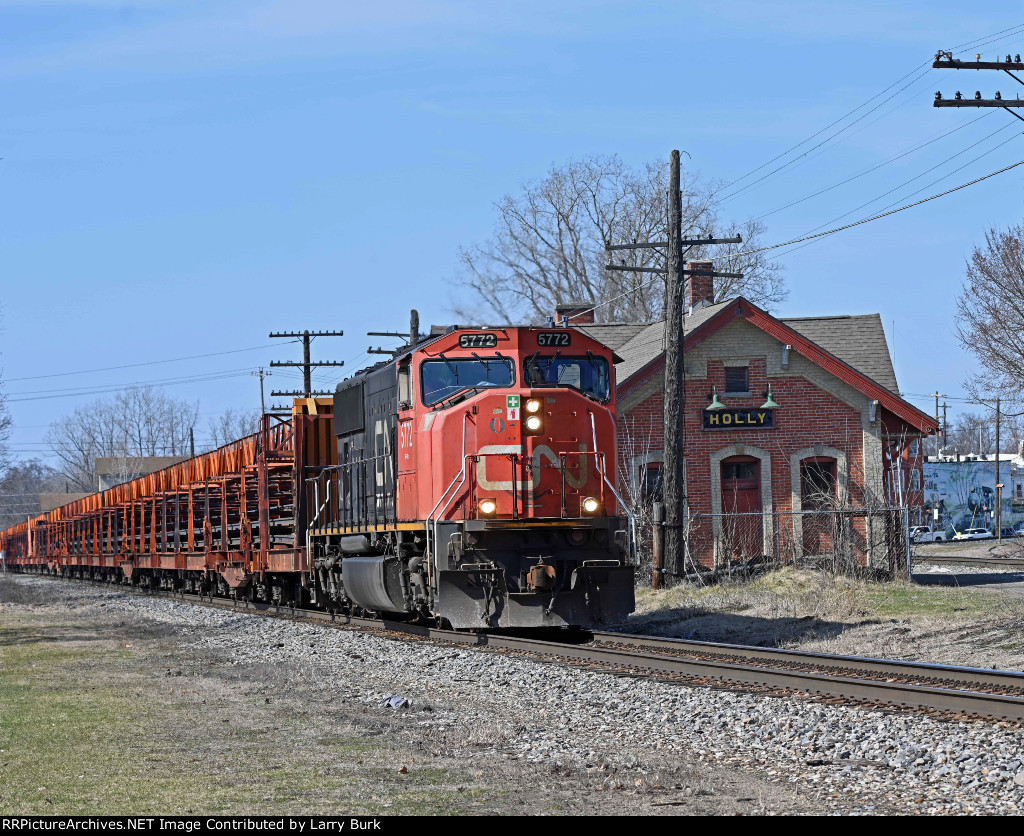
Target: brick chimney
(702, 288)
(579, 313)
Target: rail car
(469, 481)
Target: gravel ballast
(490, 705)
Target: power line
(120, 388)
(875, 217)
(987, 39)
(152, 382)
(955, 170)
(1016, 29)
(917, 177)
(913, 94)
(872, 168)
(827, 139)
(818, 133)
(731, 256)
(137, 365)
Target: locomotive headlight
(591, 505)
(533, 405)
(533, 423)
(487, 507)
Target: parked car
(973, 534)
(1008, 531)
(1019, 529)
(923, 534)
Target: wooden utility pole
(414, 336)
(674, 461)
(676, 506)
(657, 544)
(945, 61)
(307, 364)
(998, 483)
(261, 374)
(936, 395)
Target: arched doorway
(742, 535)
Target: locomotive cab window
(446, 377)
(589, 374)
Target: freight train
(467, 482)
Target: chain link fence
(872, 542)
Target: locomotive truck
(469, 482)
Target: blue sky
(181, 178)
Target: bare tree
(990, 312)
(6, 424)
(971, 432)
(549, 245)
(20, 489)
(639, 477)
(974, 432)
(233, 424)
(134, 423)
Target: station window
(817, 483)
(736, 379)
(915, 448)
(651, 481)
(915, 480)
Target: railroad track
(974, 562)
(951, 691)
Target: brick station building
(834, 433)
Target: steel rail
(887, 691)
(931, 672)
(982, 562)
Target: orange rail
(239, 507)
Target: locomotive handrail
(611, 487)
(316, 516)
(348, 468)
(432, 547)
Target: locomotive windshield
(449, 376)
(588, 374)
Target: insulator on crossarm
(958, 95)
(938, 95)
(998, 95)
(1016, 59)
(977, 94)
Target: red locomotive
(469, 481)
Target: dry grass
(816, 610)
